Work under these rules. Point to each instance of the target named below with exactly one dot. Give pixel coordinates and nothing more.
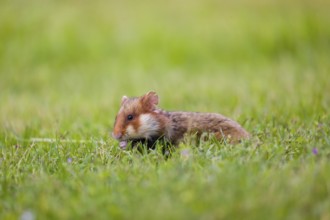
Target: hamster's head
(136, 119)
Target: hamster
(140, 119)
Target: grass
(64, 67)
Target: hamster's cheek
(130, 131)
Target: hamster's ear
(124, 99)
(150, 100)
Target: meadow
(64, 66)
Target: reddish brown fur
(172, 125)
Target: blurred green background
(71, 61)
(64, 66)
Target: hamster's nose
(117, 136)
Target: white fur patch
(130, 131)
(149, 126)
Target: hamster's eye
(130, 117)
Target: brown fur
(197, 123)
(173, 126)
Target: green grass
(64, 66)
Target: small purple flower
(69, 160)
(27, 215)
(315, 151)
(185, 153)
(123, 144)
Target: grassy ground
(64, 66)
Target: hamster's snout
(117, 136)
